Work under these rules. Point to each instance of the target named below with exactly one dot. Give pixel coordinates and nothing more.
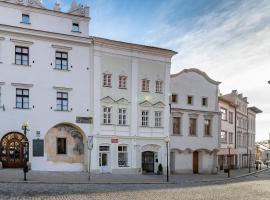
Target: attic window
(25, 19)
(75, 27)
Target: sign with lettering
(84, 120)
(38, 148)
(90, 142)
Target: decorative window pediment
(209, 116)
(146, 104)
(122, 101)
(193, 115)
(159, 105)
(107, 99)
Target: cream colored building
(195, 122)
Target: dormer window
(25, 19)
(75, 27)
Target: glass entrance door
(104, 152)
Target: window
(107, 80)
(223, 114)
(25, 19)
(62, 101)
(174, 98)
(176, 126)
(122, 82)
(157, 119)
(61, 60)
(145, 85)
(75, 27)
(159, 86)
(230, 117)
(192, 126)
(22, 98)
(122, 156)
(189, 100)
(107, 115)
(61, 145)
(21, 55)
(230, 138)
(207, 127)
(223, 137)
(122, 116)
(145, 118)
(204, 101)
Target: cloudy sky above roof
(227, 39)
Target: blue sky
(228, 39)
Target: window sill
(26, 23)
(21, 65)
(177, 135)
(75, 31)
(159, 92)
(145, 91)
(106, 86)
(22, 108)
(193, 135)
(63, 70)
(62, 110)
(122, 88)
(208, 136)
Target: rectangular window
(122, 156)
(174, 98)
(25, 19)
(204, 101)
(107, 80)
(190, 100)
(176, 126)
(159, 86)
(157, 119)
(22, 98)
(145, 85)
(61, 60)
(230, 117)
(107, 115)
(61, 145)
(230, 138)
(223, 137)
(75, 27)
(21, 55)
(122, 82)
(145, 118)
(122, 114)
(62, 101)
(207, 127)
(223, 114)
(192, 127)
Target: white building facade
(69, 86)
(195, 122)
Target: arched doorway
(148, 164)
(11, 147)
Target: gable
(145, 104)
(107, 100)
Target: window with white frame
(159, 86)
(107, 115)
(21, 55)
(158, 119)
(176, 126)
(230, 138)
(122, 156)
(75, 27)
(204, 101)
(230, 117)
(122, 116)
(174, 98)
(207, 127)
(122, 82)
(107, 80)
(192, 126)
(145, 85)
(223, 114)
(145, 118)
(25, 19)
(223, 137)
(190, 100)
(61, 60)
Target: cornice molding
(65, 48)
(2, 83)
(62, 88)
(22, 85)
(22, 42)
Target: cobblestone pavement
(255, 187)
(16, 175)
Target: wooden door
(148, 162)
(195, 162)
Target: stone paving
(255, 187)
(16, 175)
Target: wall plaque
(84, 120)
(38, 148)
